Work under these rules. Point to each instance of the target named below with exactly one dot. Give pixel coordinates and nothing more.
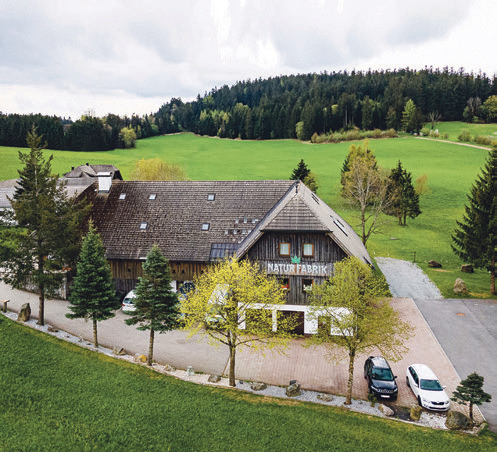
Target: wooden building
(284, 226)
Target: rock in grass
(458, 421)
(214, 379)
(434, 264)
(460, 286)
(293, 390)
(25, 313)
(467, 268)
(386, 410)
(51, 329)
(256, 386)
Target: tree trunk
(41, 305)
(492, 276)
(151, 347)
(232, 365)
(95, 336)
(348, 397)
(471, 410)
(363, 220)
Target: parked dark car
(381, 380)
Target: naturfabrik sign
(276, 268)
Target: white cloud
(124, 56)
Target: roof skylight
(211, 197)
(206, 226)
(143, 225)
(122, 196)
(152, 196)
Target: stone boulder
(257, 386)
(458, 421)
(25, 313)
(52, 329)
(169, 368)
(119, 351)
(214, 379)
(434, 264)
(467, 268)
(415, 412)
(460, 286)
(139, 358)
(386, 410)
(325, 397)
(293, 390)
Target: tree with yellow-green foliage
(354, 313)
(234, 303)
(157, 169)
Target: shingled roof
(91, 171)
(194, 221)
(176, 217)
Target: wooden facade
(326, 252)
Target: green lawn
(58, 397)
(451, 170)
(454, 128)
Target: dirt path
(453, 142)
(407, 279)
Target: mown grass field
(451, 170)
(454, 128)
(58, 397)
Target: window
(211, 197)
(307, 285)
(122, 196)
(152, 196)
(143, 225)
(206, 226)
(284, 249)
(308, 250)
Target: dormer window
(152, 196)
(211, 197)
(143, 225)
(206, 226)
(122, 196)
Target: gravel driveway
(406, 279)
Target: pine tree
(93, 296)
(301, 172)
(475, 238)
(156, 304)
(46, 233)
(405, 199)
(471, 390)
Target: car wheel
(419, 402)
(407, 382)
(394, 398)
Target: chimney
(104, 182)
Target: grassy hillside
(56, 396)
(454, 128)
(451, 170)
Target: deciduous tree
(93, 295)
(157, 169)
(354, 313)
(475, 237)
(234, 303)
(45, 232)
(471, 391)
(156, 304)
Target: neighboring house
(92, 171)
(284, 226)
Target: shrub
(415, 412)
(314, 138)
(424, 131)
(494, 144)
(392, 133)
(464, 136)
(353, 135)
(445, 136)
(376, 133)
(434, 133)
(480, 139)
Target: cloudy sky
(66, 57)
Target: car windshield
(382, 374)
(431, 385)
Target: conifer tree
(45, 230)
(475, 238)
(471, 390)
(301, 172)
(405, 199)
(93, 295)
(156, 304)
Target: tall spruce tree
(471, 390)
(405, 199)
(301, 172)
(44, 234)
(93, 296)
(475, 238)
(156, 304)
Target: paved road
(467, 331)
(306, 365)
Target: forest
(290, 106)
